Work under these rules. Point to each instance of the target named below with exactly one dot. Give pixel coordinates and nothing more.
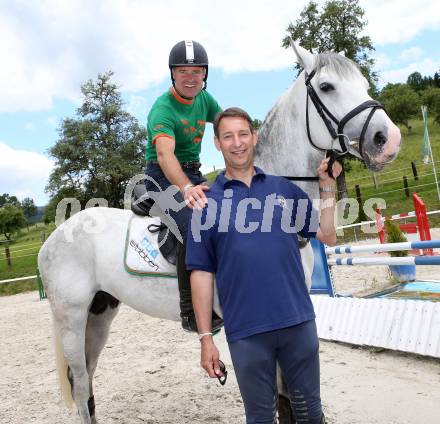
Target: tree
(307, 30)
(401, 103)
(416, 81)
(6, 199)
(256, 124)
(419, 83)
(338, 27)
(100, 149)
(431, 98)
(11, 220)
(51, 208)
(29, 208)
(436, 80)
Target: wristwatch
(326, 189)
(187, 187)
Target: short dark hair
(232, 112)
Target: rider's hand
(210, 357)
(324, 178)
(195, 197)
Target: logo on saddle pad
(142, 254)
(146, 244)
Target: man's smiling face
(188, 80)
(236, 141)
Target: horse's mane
(269, 133)
(333, 63)
(336, 63)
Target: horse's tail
(62, 370)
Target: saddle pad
(141, 254)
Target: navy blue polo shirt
(247, 237)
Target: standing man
(176, 124)
(247, 238)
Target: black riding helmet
(188, 53)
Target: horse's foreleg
(102, 311)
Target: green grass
(211, 176)
(9, 289)
(411, 151)
(22, 266)
(395, 197)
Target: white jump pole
(386, 247)
(406, 260)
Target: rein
(302, 178)
(338, 133)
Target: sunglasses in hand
(222, 378)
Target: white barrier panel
(404, 325)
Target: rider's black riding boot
(186, 307)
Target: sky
(50, 47)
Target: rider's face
(237, 142)
(189, 80)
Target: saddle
(166, 239)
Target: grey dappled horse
(81, 263)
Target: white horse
(82, 262)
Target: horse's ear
(303, 56)
(342, 53)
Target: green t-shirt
(181, 120)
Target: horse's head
(340, 115)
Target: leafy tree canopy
(28, 207)
(256, 124)
(415, 81)
(418, 82)
(11, 220)
(431, 98)
(100, 148)
(337, 27)
(6, 199)
(401, 103)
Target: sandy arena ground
(149, 371)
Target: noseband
(338, 133)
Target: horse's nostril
(380, 138)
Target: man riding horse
(176, 124)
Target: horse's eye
(326, 86)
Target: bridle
(338, 133)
